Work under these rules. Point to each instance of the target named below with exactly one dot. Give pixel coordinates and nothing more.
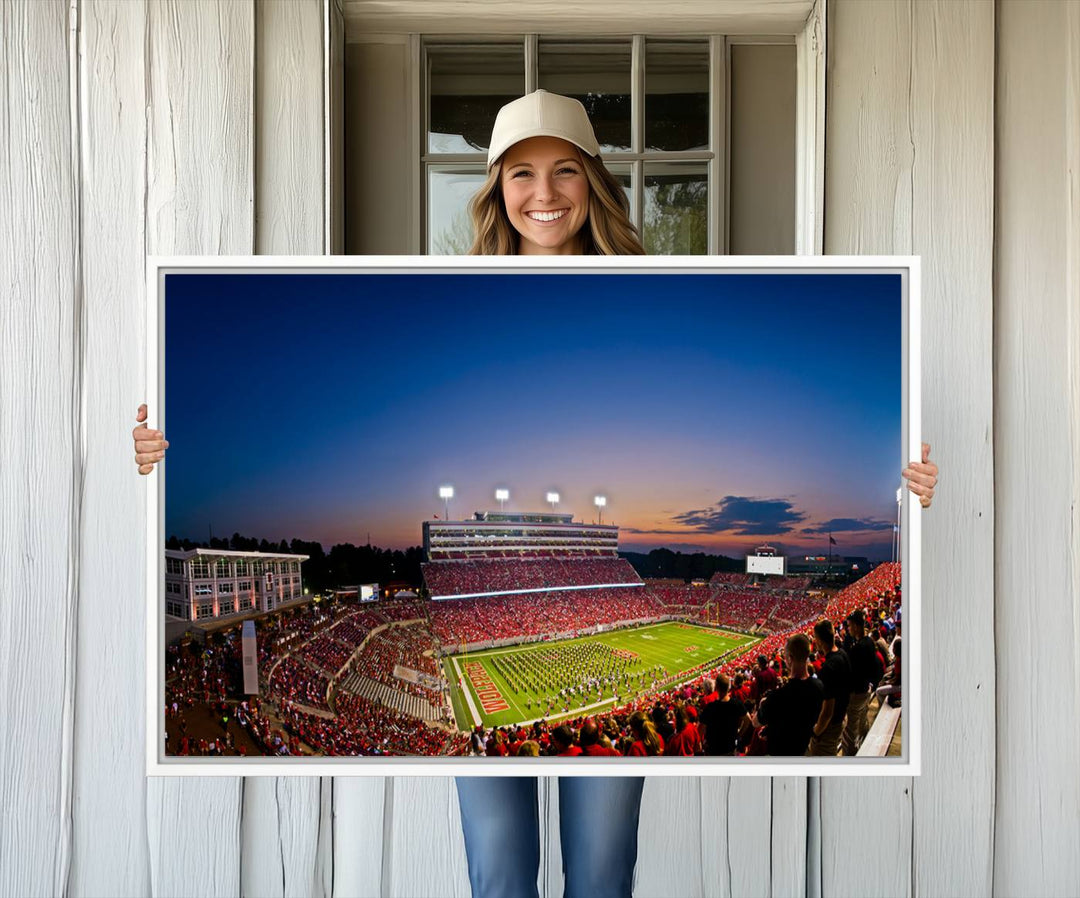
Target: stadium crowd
(807, 687)
(803, 691)
(453, 578)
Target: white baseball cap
(541, 114)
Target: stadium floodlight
(600, 502)
(446, 493)
(553, 498)
(501, 496)
(896, 529)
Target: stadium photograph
(480, 515)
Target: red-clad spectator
(740, 691)
(591, 744)
(765, 679)
(647, 742)
(687, 739)
(562, 739)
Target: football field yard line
(466, 682)
(660, 643)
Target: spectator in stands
(741, 689)
(647, 742)
(890, 684)
(723, 720)
(790, 712)
(562, 738)
(590, 739)
(866, 673)
(835, 676)
(662, 722)
(765, 678)
(686, 742)
(543, 157)
(529, 749)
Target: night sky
(716, 411)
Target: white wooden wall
(953, 132)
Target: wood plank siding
(130, 127)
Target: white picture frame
(909, 764)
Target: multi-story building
(205, 584)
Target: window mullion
(532, 63)
(637, 128)
(718, 106)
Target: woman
(647, 742)
(548, 193)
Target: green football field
(526, 682)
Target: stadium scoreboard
(367, 592)
(766, 560)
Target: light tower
(899, 505)
(600, 502)
(501, 496)
(446, 493)
(553, 498)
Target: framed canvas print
(502, 515)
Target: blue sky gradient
(715, 411)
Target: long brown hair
(608, 230)
(643, 728)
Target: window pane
(466, 86)
(597, 74)
(623, 175)
(676, 95)
(449, 191)
(676, 209)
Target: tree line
(669, 565)
(344, 565)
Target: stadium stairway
(365, 687)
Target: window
(225, 589)
(256, 568)
(204, 610)
(244, 585)
(242, 565)
(200, 568)
(656, 105)
(225, 606)
(222, 568)
(174, 566)
(678, 120)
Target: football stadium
(531, 635)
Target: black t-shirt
(721, 721)
(864, 664)
(835, 676)
(790, 713)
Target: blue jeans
(598, 824)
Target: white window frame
(809, 42)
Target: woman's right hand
(150, 445)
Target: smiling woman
(547, 190)
(546, 195)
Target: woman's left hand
(922, 477)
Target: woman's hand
(922, 477)
(150, 445)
